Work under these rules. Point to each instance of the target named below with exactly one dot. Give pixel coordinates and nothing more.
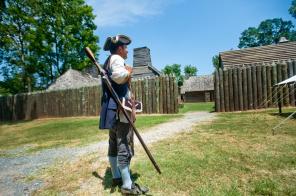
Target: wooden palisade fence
(249, 87)
(158, 95)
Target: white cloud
(122, 12)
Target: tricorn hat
(116, 41)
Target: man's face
(122, 51)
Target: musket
(105, 79)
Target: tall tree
(70, 28)
(292, 9)
(176, 70)
(190, 70)
(216, 62)
(41, 39)
(268, 32)
(16, 34)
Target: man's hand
(129, 69)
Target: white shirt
(119, 75)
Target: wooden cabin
(198, 89)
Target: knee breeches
(121, 143)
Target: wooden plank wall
(158, 95)
(247, 88)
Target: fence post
(274, 81)
(240, 89)
(264, 86)
(279, 79)
(284, 77)
(149, 95)
(235, 89)
(226, 90)
(259, 85)
(230, 86)
(221, 90)
(172, 94)
(250, 89)
(157, 94)
(176, 95)
(254, 87)
(291, 90)
(217, 92)
(161, 94)
(164, 94)
(269, 87)
(168, 101)
(245, 88)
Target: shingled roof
(198, 83)
(74, 79)
(261, 54)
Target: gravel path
(14, 170)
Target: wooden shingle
(198, 83)
(262, 54)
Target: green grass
(48, 133)
(193, 107)
(236, 154)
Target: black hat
(116, 41)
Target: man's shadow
(107, 179)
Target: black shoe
(116, 182)
(135, 190)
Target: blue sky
(183, 31)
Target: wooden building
(198, 89)
(283, 51)
(142, 65)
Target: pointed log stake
(115, 96)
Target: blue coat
(109, 107)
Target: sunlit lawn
(235, 154)
(193, 107)
(48, 133)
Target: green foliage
(292, 9)
(3, 91)
(216, 62)
(41, 39)
(268, 32)
(249, 38)
(190, 70)
(176, 70)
